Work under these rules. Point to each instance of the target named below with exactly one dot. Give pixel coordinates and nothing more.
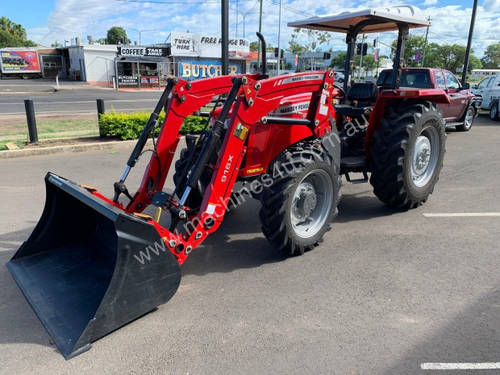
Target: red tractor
(93, 264)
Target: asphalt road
(71, 100)
(386, 292)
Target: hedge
(130, 125)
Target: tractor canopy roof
(374, 20)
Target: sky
(49, 20)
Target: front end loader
(82, 269)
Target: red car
(463, 107)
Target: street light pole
(425, 43)
(279, 37)
(237, 16)
(225, 34)
(469, 42)
(260, 29)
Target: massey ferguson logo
(227, 168)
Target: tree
(117, 35)
(474, 63)
(12, 28)
(254, 46)
(338, 61)
(413, 45)
(307, 40)
(13, 34)
(369, 62)
(491, 59)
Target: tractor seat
(364, 95)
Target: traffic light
(327, 56)
(361, 48)
(276, 53)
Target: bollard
(100, 111)
(30, 117)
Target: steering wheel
(338, 94)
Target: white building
(480, 73)
(93, 63)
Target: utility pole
(260, 30)
(469, 42)
(361, 56)
(236, 18)
(425, 43)
(279, 36)
(225, 34)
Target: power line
(169, 2)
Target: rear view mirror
(466, 86)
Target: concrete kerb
(91, 146)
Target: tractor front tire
(407, 154)
(196, 194)
(302, 200)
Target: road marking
(461, 366)
(464, 214)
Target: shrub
(130, 125)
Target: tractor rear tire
(302, 200)
(407, 154)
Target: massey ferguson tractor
(281, 137)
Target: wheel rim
(425, 156)
(311, 203)
(469, 118)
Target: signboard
(193, 69)
(201, 45)
(150, 80)
(14, 61)
(128, 81)
(140, 51)
(418, 56)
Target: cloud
(71, 18)
(491, 5)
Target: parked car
(488, 90)
(339, 77)
(464, 105)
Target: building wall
(76, 63)
(99, 64)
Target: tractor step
(355, 164)
(358, 180)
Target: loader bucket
(78, 270)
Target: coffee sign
(139, 51)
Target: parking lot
(387, 292)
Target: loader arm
(255, 100)
(187, 98)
